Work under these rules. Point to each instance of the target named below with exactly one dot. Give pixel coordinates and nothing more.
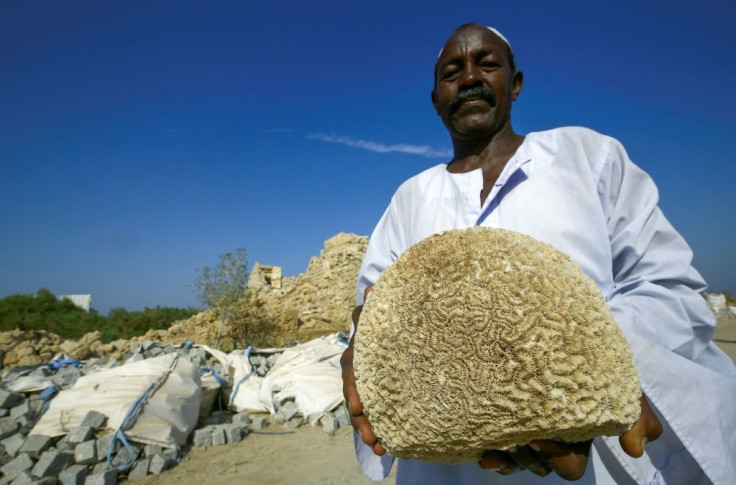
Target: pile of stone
(89, 453)
(720, 305)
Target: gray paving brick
(8, 426)
(218, 436)
(80, 434)
(159, 464)
(288, 410)
(86, 453)
(94, 419)
(329, 423)
(100, 466)
(241, 418)
(4, 412)
(108, 477)
(150, 450)
(202, 437)
(259, 422)
(36, 444)
(64, 445)
(74, 475)
(46, 481)
(235, 432)
(342, 416)
(51, 463)
(8, 399)
(171, 454)
(13, 444)
(23, 479)
(22, 409)
(216, 417)
(17, 466)
(125, 455)
(139, 468)
(135, 358)
(295, 422)
(103, 445)
(24, 422)
(66, 377)
(36, 407)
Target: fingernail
(534, 447)
(486, 467)
(643, 442)
(511, 449)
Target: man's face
(474, 84)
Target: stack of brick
(81, 456)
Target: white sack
(310, 373)
(246, 385)
(166, 419)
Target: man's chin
(474, 131)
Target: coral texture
(483, 338)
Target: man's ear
(517, 82)
(434, 102)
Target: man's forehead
(492, 34)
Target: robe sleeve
(657, 301)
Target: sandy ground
(308, 456)
(725, 336)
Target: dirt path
(308, 457)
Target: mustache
(476, 92)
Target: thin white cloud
(421, 150)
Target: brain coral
(484, 338)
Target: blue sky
(139, 140)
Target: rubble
(38, 365)
(81, 455)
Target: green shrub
(43, 311)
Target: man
(577, 190)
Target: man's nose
(470, 74)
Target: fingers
(355, 407)
(525, 457)
(646, 429)
(541, 457)
(349, 391)
(568, 460)
(367, 436)
(498, 461)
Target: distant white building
(82, 301)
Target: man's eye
(489, 65)
(449, 74)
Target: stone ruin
(317, 302)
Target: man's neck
(490, 154)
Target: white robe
(577, 190)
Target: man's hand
(569, 460)
(647, 428)
(541, 457)
(357, 418)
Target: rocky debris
(81, 456)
